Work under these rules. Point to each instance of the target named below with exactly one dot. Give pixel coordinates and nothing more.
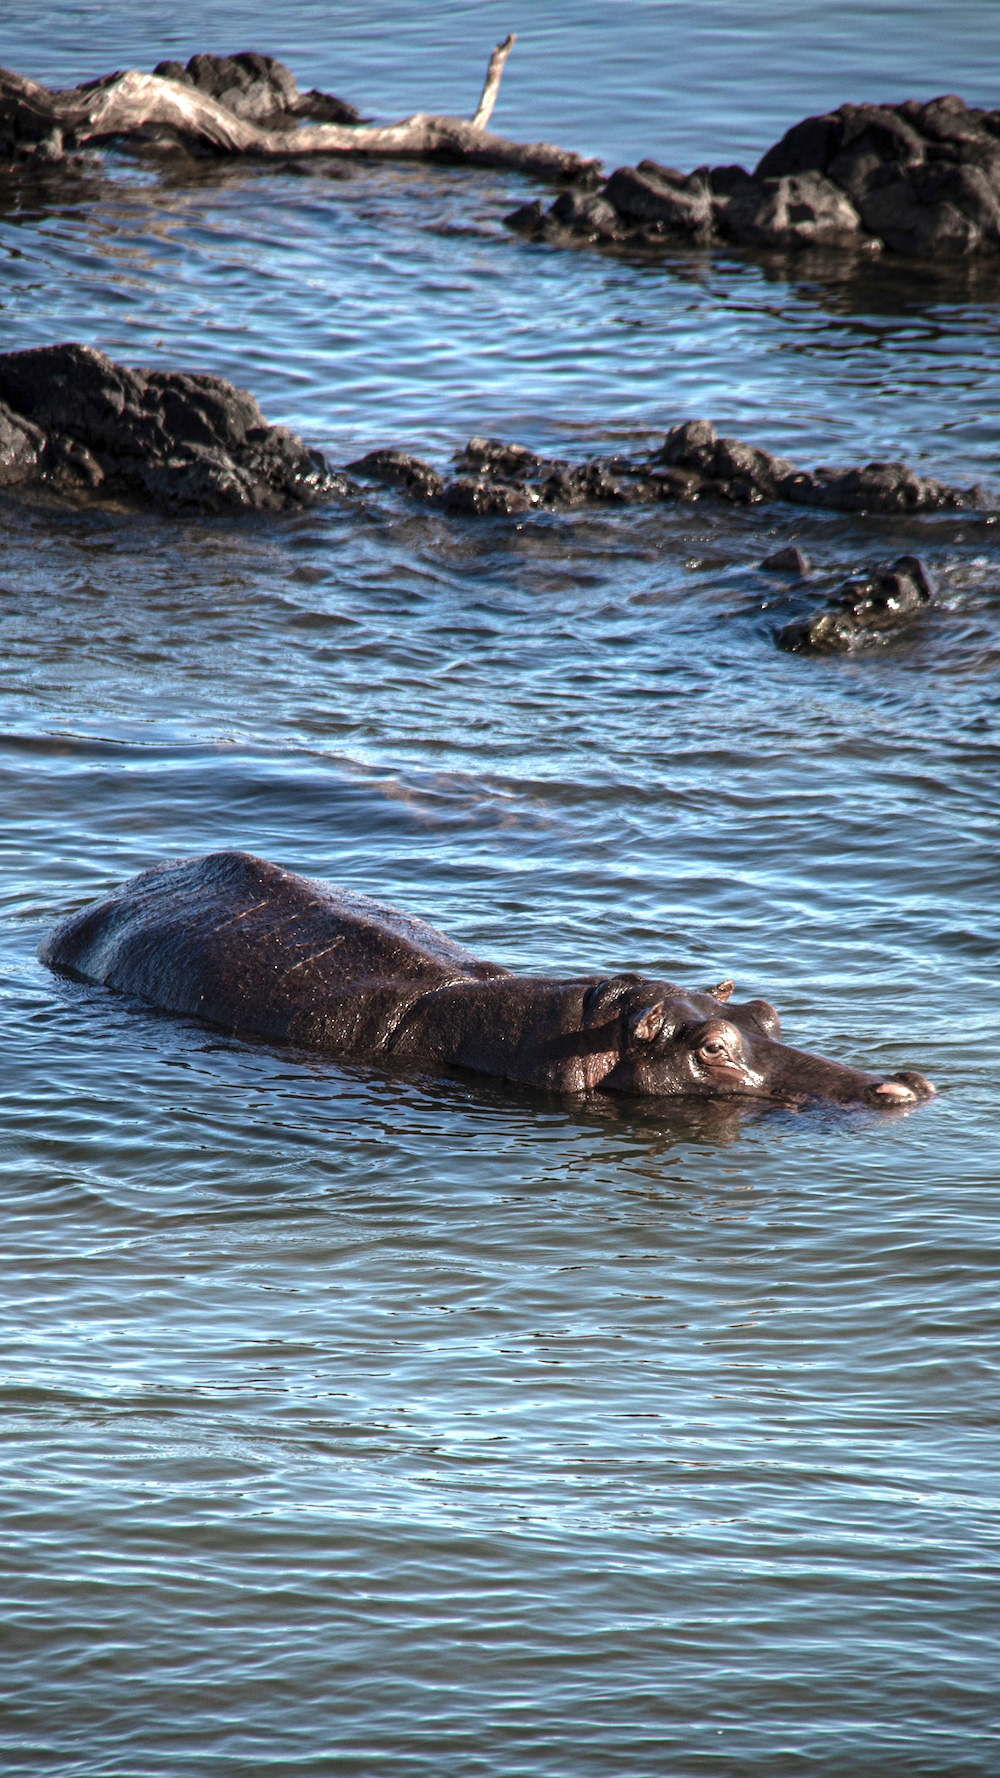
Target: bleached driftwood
(133, 105)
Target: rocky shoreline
(916, 179)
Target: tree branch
(137, 105)
(491, 85)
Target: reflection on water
(408, 1422)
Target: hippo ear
(723, 991)
(646, 1023)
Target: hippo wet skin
(259, 951)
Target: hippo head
(697, 1044)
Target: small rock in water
(864, 610)
(789, 560)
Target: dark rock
(735, 461)
(789, 560)
(29, 132)
(400, 470)
(946, 119)
(496, 457)
(527, 219)
(885, 487)
(166, 438)
(725, 181)
(693, 463)
(257, 88)
(484, 498)
(677, 204)
(587, 213)
(920, 179)
(892, 209)
(864, 610)
(22, 448)
(796, 210)
(691, 445)
(807, 146)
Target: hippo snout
(905, 1088)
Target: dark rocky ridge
(74, 421)
(918, 179)
(693, 464)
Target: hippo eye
(712, 1049)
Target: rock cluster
(919, 179)
(75, 421)
(866, 609)
(693, 463)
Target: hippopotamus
(262, 952)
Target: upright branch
(491, 85)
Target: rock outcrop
(73, 420)
(693, 464)
(918, 179)
(867, 609)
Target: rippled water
(368, 1424)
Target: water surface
(357, 1423)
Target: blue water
(358, 1424)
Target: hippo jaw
(689, 1046)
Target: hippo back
(254, 948)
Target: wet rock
(650, 193)
(258, 88)
(886, 487)
(789, 560)
(797, 210)
(400, 470)
(468, 494)
(587, 214)
(691, 445)
(735, 461)
(29, 130)
(22, 448)
(918, 179)
(495, 457)
(693, 463)
(162, 438)
(528, 219)
(865, 610)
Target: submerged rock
(789, 560)
(399, 469)
(693, 464)
(918, 179)
(866, 609)
(72, 419)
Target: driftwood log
(250, 105)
